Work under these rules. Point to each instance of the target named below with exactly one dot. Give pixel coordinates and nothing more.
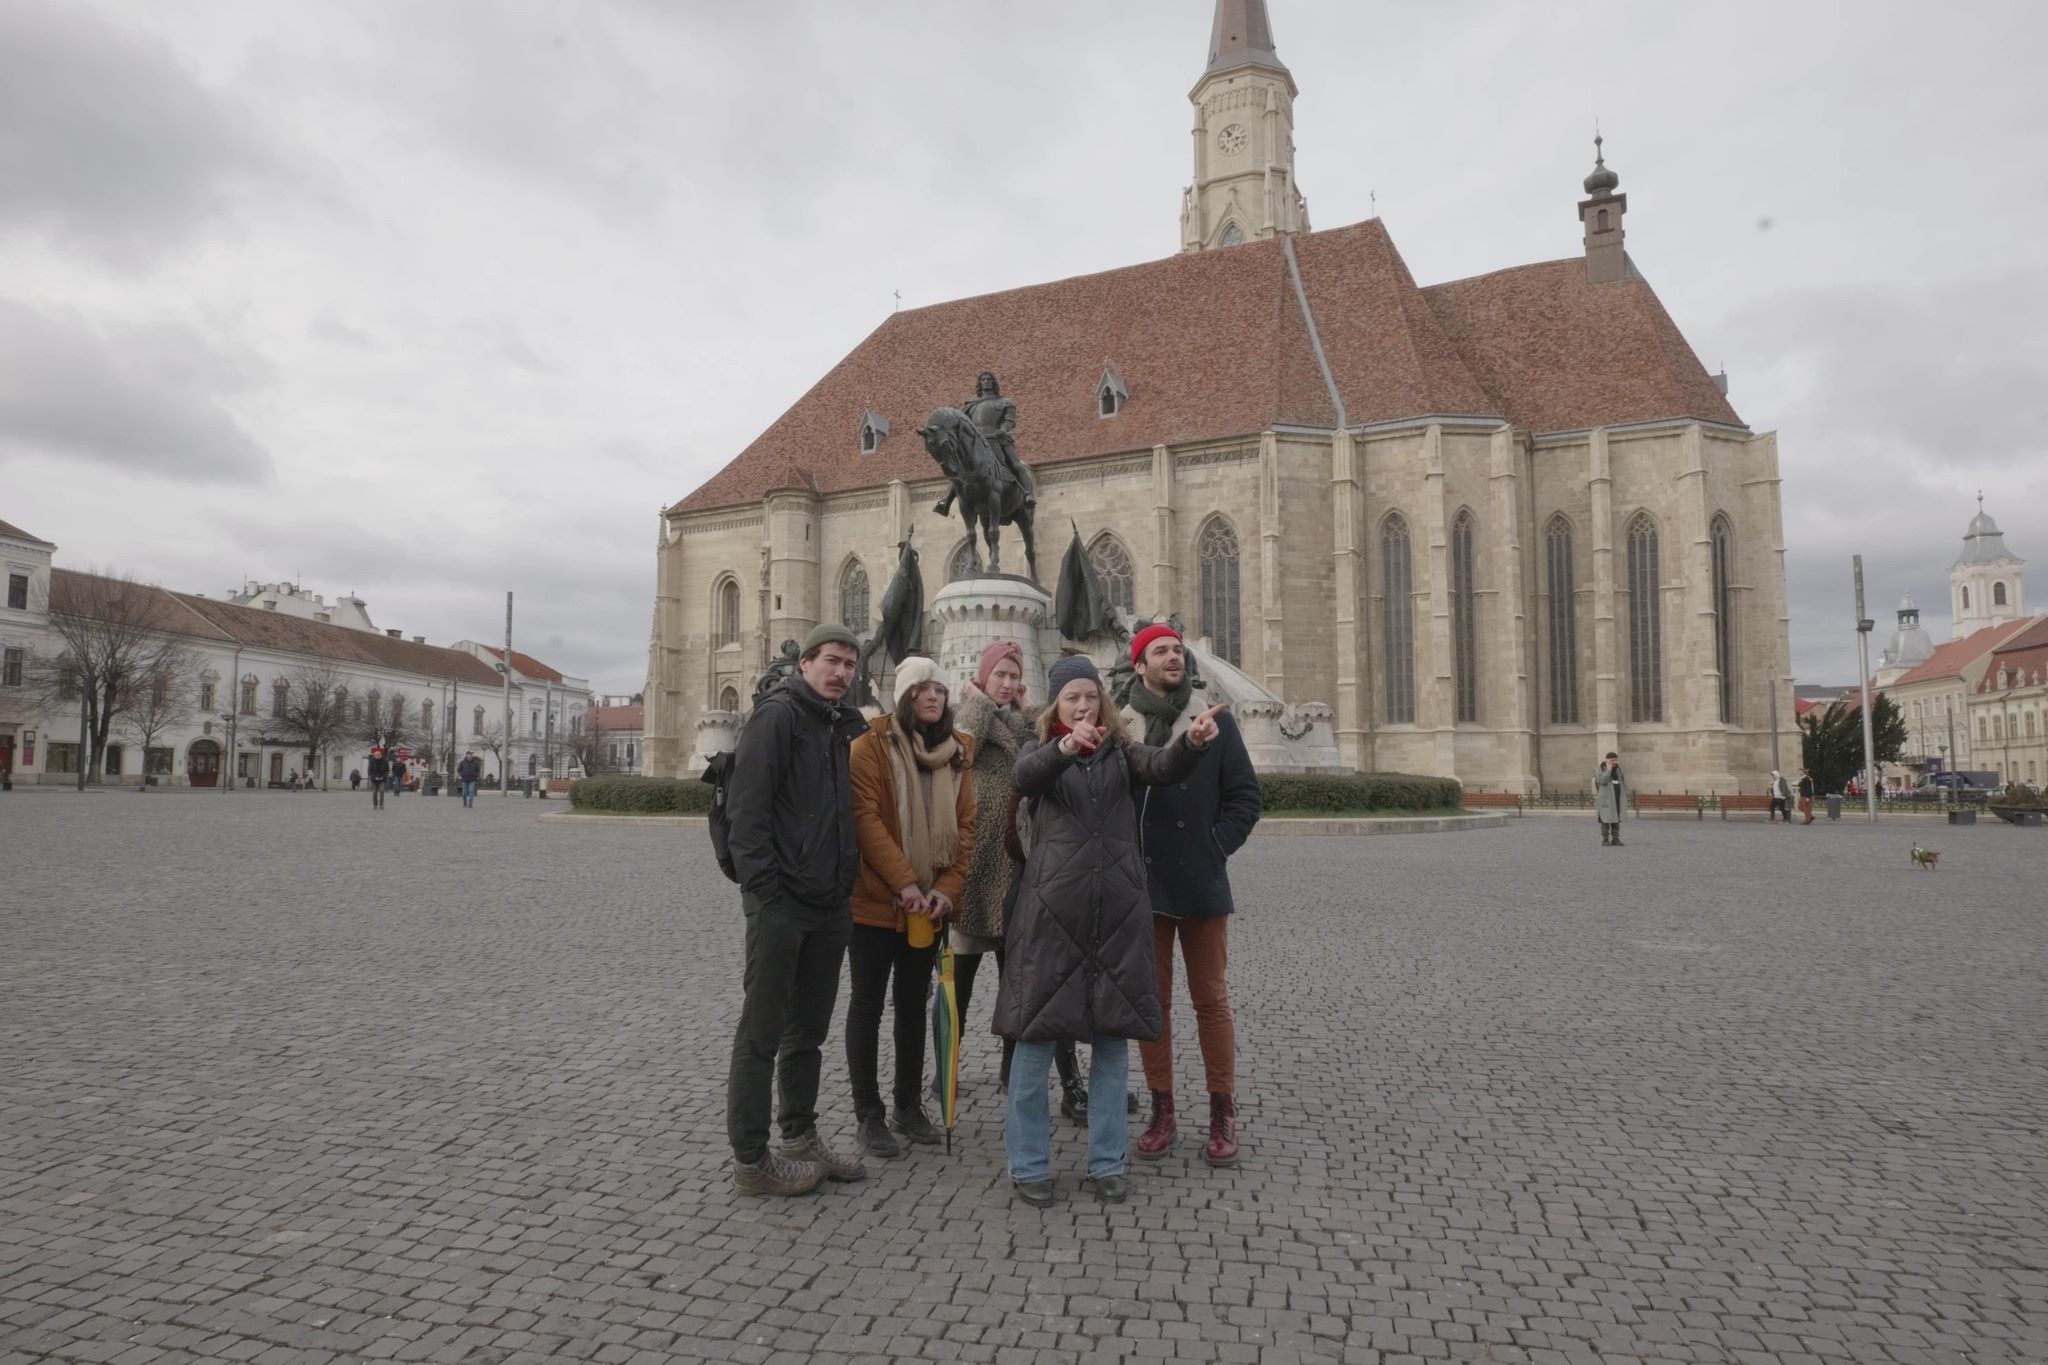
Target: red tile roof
(619, 719)
(525, 664)
(2025, 654)
(1212, 345)
(208, 618)
(8, 528)
(1563, 354)
(1949, 660)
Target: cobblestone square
(289, 1080)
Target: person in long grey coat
(1610, 797)
(1078, 945)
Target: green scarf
(1159, 712)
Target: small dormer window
(873, 427)
(1110, 394)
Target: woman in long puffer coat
(1078, 945)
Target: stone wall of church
(1308, 515)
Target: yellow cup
(921, 935)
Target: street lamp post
(1864, 625)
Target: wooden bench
(1754, 804)
(1661, 803)
(1491, 801)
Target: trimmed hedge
(1286, 794)
(1340, 793)
(641, 795)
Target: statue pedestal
(718, 732)
(973, 613)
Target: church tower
(1244, 185)
(1986, 586)
(1601, 211)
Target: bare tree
(586, 744)
(111, 639)
(315, 715)
(492, 741)
(160, 699)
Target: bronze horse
(989, 494)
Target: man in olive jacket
(1190, 830)
(790, 801)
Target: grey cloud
(145, 400)
(335, 332)
(106, 140)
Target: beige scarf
(929, 840)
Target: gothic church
(1501, 525)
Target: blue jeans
(1027, 1118)
(469, 793)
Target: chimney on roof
(1601, 212)
(396, 634)
(419, 639)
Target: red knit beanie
(1145, 637)
(995, 654)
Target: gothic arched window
(1216, 552)
(729, 612)
(853, 596)
(1559, 580)
(1464, 618)
(1397, 619)
(1723, 537)
(1119, 577)
(1645, 623)
(729, 700)
(960, 563)
(1232, 235)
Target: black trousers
(791, 988)
(873, 957)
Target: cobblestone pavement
(286, 1080)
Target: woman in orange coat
(913, 817)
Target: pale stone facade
(1495, 596)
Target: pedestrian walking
(397, 776)
(1191, 828)
(355, 779)
(914, 818)
(380, 776)
(995, 713)
(1781, 798)
(789, 803)
(292, 780)
(1610, 798)
(1079, 939)
(1805, 797)
(468, 772)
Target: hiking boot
(1222, 1147)
(1074, 1102)
(1108, 1189)
(913, 1124)
(1158, 1135)
(811, 1147)
(777, 1175)
(876, 1139)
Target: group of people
(1610, 798)
(1073, 842)
(388, 773)
(1783, 793)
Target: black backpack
(717, 773)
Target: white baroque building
(1500, 525)
(247, 656)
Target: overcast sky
(429, 301)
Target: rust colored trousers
(1205, 948)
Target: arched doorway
(202, 763)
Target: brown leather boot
(1158, 1135)
(1222, 1148)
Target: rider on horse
(996, 418)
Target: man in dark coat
(469, 772)
(380, 776)
(1190, 830)
(790, 802)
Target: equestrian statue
(977, 451)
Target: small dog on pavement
(1925, 858)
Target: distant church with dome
(1497, 525)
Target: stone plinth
(973, 613)
(718, 732)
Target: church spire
(1601, 211)
(1243, 36)
(1244, 185)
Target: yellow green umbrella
(946, 1039)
